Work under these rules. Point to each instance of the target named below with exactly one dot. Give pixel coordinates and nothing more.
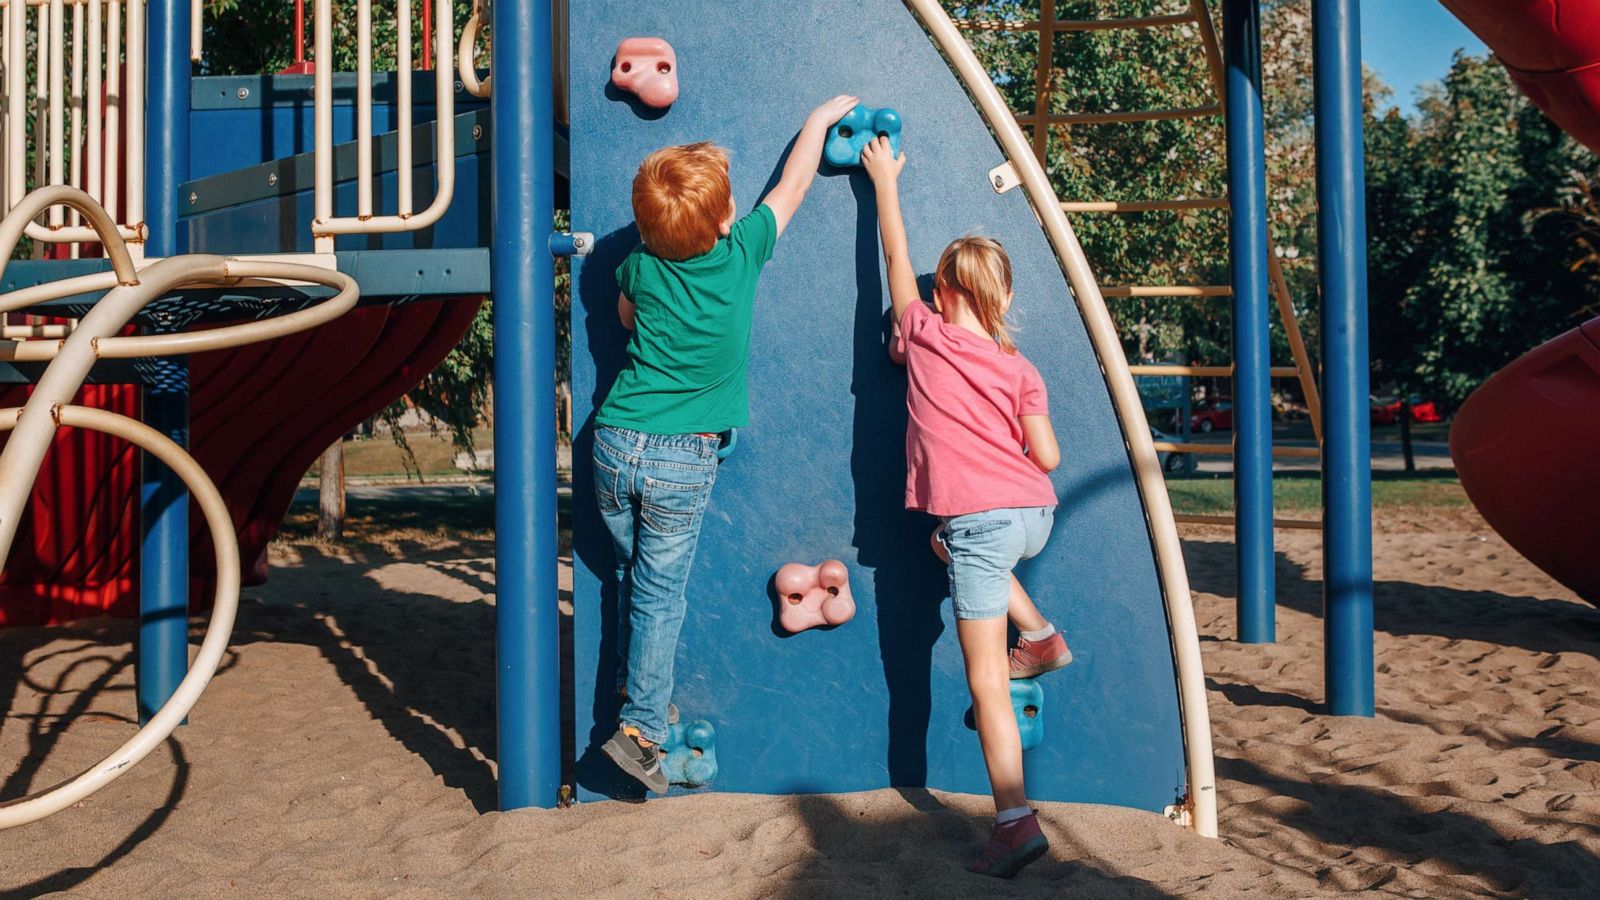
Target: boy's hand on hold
(831, 111)
(880, 162)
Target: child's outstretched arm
(884, 170)
(785, 197)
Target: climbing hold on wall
(647, 67)
(859, 127)
(1027, 698)
(690, 754)
(809, 596)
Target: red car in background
(1212, 415)
(1387, 411)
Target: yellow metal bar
(1227, 450)
(1041, 80)
(1146, 115)
(1169, 290)
(1299, 524)
(994, 25)
(1134, 206)
(1128, 24)
(1208, 40)
(1297, 344)
(1206, 371)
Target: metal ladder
(1041, 120)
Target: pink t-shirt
(964, 443)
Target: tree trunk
(330, 493)
(1405, 434)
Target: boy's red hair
(681, 197)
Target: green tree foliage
(1465, 274)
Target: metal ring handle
(225, 606)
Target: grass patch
(1302, 492)
(380, 457)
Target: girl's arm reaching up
(884, 170)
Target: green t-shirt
(687, 360)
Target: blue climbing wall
(820, 471)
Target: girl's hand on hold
(880, 162)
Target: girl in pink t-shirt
(978, 446)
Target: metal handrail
(325, 226)
(67, 127)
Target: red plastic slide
(260, 416)
(1552, 50)
(1525, 442)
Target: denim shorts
(984, 547)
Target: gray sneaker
(638, 760)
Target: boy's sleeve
(755, 235)
(1035, 400)
(627, 272)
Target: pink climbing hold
(809, 596)
(648, 68)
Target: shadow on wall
(889, 539)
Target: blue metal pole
(1347, 450)
(163, 642)
(522, 279)
(1252, 374)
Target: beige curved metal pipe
(225, 606)
(249, 332)
(94, 337)
(1192, 705)
(101, 226)
(466, 56)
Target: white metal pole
(135, 114)
(58, 137)
(364, 109)
(75, 146)
(112, 174)
(403, 173)
(94, 99)
(323, 50)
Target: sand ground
(346, 750)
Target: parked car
(1173, 462)
(1386, 411)
(1212, 415)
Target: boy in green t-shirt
(688, 295)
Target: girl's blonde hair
(978, 269)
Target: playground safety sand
(345, 751)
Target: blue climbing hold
(1027, 698)
(690, 754)
(859, 127)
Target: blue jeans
(652, 490)
(984, 547)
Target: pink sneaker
(1033, 658)
(1011, 847)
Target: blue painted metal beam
(1252, 384)
(385, 276)
(522, 274)
(1342, 269)
(163, 641)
